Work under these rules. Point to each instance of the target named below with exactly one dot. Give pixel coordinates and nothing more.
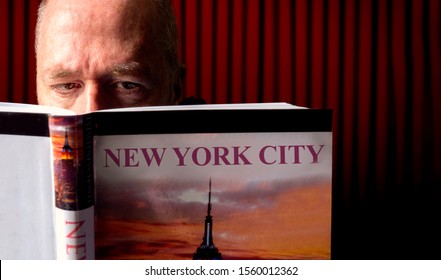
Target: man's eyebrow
(132, 68)
(61, 74)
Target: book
(212, 181)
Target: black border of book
(183, 121)
(32, 124)
(214, 121)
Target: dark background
(375, 63)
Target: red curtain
(17, 58)
(375, 63)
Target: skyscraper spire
(207, 250)
(67, 149)
(209, 199)
(66, 141)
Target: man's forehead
(124, 15)
(75, 41)
(102, 27)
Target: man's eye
(67, 86)
(127, 85)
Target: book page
(32, 108)
(231, 106)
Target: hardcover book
(236, 181)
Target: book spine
(73, 187)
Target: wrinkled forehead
(120, 18)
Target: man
(98, 54)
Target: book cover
(26, 200)
(245, 185)
(237, 181)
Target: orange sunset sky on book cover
(293, 222)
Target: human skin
(96, 54)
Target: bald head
(103, 54)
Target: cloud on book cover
(186, 200)
(252, 220)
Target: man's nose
(91, 99)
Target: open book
(237, 181)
